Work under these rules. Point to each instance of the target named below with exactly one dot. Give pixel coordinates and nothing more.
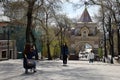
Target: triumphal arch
(85, 34)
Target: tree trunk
(118, 36)
(48, 51)
(29, 20)
(61, 42)
(118, 31)
(105, 49)
(111, 42)
(48, 42)
(29, 34)
(48, 47)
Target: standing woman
(91, 57)
(65, 53)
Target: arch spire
(86, 4)
(85, 17)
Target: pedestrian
(91, 56)
(32, 56)
(28, 61)
(65, 53)
(25, 53)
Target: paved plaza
(54, 70)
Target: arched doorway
(88, 47)
(84, 50)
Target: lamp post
(112, 47)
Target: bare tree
(112, 9)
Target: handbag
(30, 62)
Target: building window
(3, 54)
(84, 34)
(77, 32)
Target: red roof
(3, 24)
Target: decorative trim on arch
(84, 32)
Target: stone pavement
(54, 70)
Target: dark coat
(65, 50)
(65, 53)
(26, 56)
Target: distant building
(85, 33)
(7, 47)
(4, 54)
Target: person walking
(65, 53)
(91, 57)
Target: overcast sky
(76, 13)
(1, 9)
(71, 12)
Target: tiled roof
(85, 16)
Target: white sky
(1, 9)
(72, 13)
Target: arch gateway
(85, 35)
